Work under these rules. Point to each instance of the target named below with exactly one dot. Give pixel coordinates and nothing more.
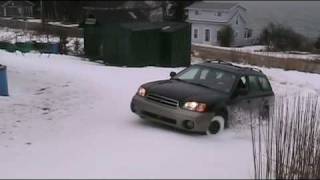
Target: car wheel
(216, 125)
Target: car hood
(183, 91)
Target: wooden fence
(48, 28)
(303, 65)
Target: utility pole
(41, 14)
(55, 9)
(41, 10)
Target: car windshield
(208, 77)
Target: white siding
(239, 29)
(208, 15)
(205, 19)
(201, 29)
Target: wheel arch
(223, 111)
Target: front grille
(161, 118)
(163, 100)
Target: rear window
(265, 85)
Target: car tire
(216, 125)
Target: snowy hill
(69, 118)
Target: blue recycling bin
(3, 81)
(55, 48)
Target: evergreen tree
(176, 10)
(279, 37)
(317, 43)
(225, 36)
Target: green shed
(175, 44)
(92, 41)
(138, 44)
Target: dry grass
(286, 145)
(259, 60)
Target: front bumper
(168, 115)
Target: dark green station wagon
(201, 98)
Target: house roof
(213, 5)
(223, 20)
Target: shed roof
(106, 16)
(164, 26)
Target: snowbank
(63, 25)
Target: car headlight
(142, 91)
(195, 106)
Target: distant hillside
(302, 16)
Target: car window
(242, 84)
(204, 73)
(265, 85)
(190, 73)
(206, 76)
(253, 84)
(243, 79)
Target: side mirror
(172, 74)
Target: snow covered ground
(63, 25)
(70, 118)
(19, 35)
(36, 20)
(75, 45)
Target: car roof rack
(254, 69)
(219, 61)
(223, 62)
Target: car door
(239, 107)
(251, 104)
(261, 95)
(255, 96)
(266, 96)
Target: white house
(16, 8)
(207, 18)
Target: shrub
(62, 45)
(317, 43)
(281, 38)
(225, 36)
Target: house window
(195, 33)
(20, 11)
(218, 13)
(237, 20)
(248, 33)
(236, 34)
(196, 12)
(207, 35)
